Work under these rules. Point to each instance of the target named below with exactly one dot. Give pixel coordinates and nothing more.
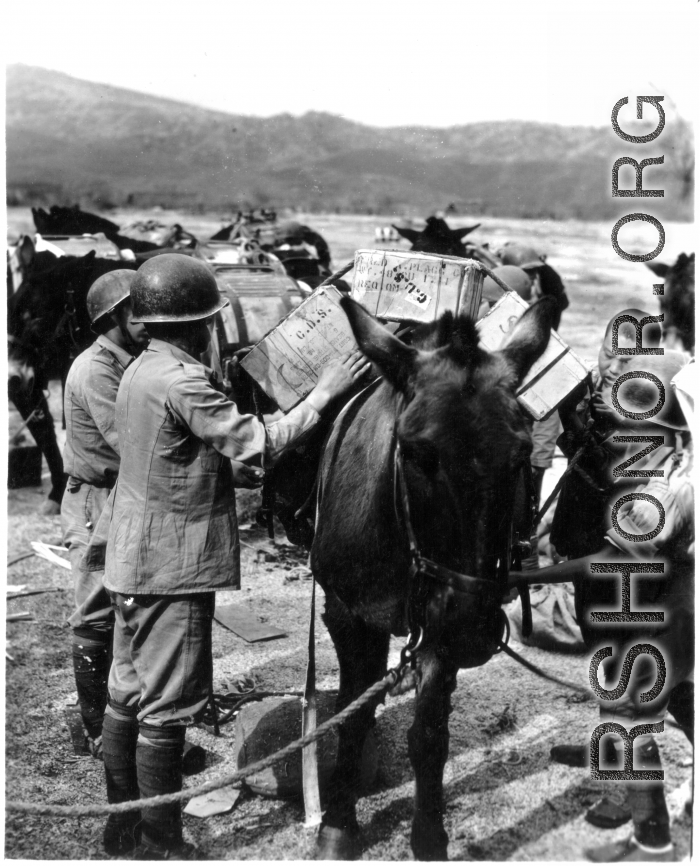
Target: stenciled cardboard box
(288, 361)
(398, 285)
(555, 373)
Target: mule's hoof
(50, 508)
(336, 844)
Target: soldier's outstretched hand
(338, 376)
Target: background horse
(451, 409)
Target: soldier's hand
(338, 376)
(247, 476)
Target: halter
(421, 566)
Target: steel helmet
(521, 256)
(640, 394)
(515, 278)
(174, 288)
(107, 292)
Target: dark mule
(452, 410)
(48, 326)
(437, 237)
(678, 301)
(70, 221)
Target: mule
(678, 301)
(70, 221)
(451, 410)
(437, 237)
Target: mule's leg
(44, 433)
(362, 656)
(428, 741)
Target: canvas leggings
(159, 682)
(92, 620)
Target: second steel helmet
(107, 292)
(515, 278)
(174, 288)
(521, 255)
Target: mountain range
(71, 140)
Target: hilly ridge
(75, 140)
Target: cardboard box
(552, 377)
(288, 361)
(399, 285)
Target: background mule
(452, 409)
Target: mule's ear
(26, 251)
(462, 233)
(411, 235)
(394, 359)
(530, 336)
(659, 268)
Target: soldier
(671, 591)
(590, 424)
(548, 281)
(173, 539)
(91, 460)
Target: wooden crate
(397, 285)
(552, 377)
(288, 361)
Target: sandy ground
(504, 798)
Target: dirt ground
(504, 798)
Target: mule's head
(437, 237)
(678, 300)
(464, 441)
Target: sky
(384, 62)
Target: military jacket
(172, 526)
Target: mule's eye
(424, 454)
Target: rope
(539, 672)
(45, 809)
(338, 274)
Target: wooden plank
(245, 624)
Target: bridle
(421, 566)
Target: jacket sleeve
(216, 420)
(100, 392)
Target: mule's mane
(457, 332)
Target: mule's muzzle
(468, 626)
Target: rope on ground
(46, 809)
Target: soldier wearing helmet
(654, 525)
(173, 538)
(91, 460)
(547, 281)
